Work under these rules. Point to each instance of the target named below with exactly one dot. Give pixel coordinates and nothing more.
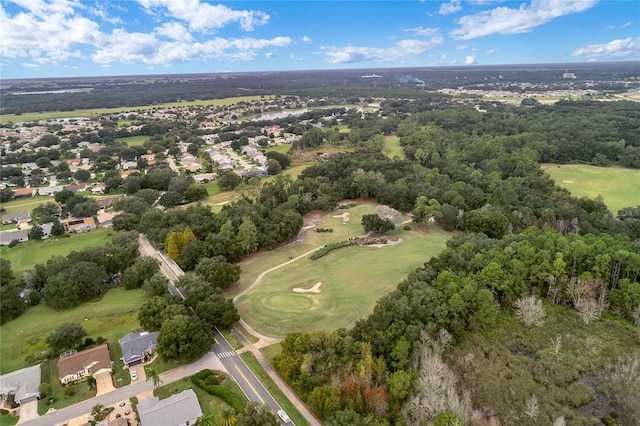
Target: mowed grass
(133, 140)
(282, 148)
(5, 118)
(30, 253)
(392, 147)
(618, 186)
(353, 278)
(112, 316)
(25, 204)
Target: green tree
(218, 272)
(217, 311)
(196, 192)
(152, 374)
(6, 275)
(374, 223)
(184, 339)
(36, 233)
(11, 304)
(83, 175)
(156, 285)
(226, 417)
(67, 336)
(257, 415)
(248, 236)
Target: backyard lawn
(30, 253)
(112, 316)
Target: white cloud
(47, 30)
(204, 17)
(423, 32)
(492, 51)
(449, 8)
(625, 25)
(174, 31)
(628, 47)
(470, 60)
(505, 20)
(399, 51)
(28, 65)
(462, 46)
(306, 39)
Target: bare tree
(531, 407)
(588, 309)
(560, 421)
(556, 344)
(530, 311)
(436, 387)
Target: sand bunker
(389, 243)
(344, 216)
(222, 203)
(567, 181)
(314, 289)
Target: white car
(283, 416)
(134, 375)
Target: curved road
(232, 363)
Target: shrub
(324, 229)
(579, 394)
(70, 391)
(219, 391)
(3, 411)
(88, 342)
(329, 248)
(99, 340)
(44, 389)
(212, 380)
(407, 227)
(202, 375)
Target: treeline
(66, 281)
(367, 374)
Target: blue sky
(66, 38)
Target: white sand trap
(344, 216)
(222, 203)
(567, 181)
(389, 243)
(314, 289)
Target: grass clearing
(8, 420)
(392, 147)
(30, 253)
(353, 278)
(282, 149)
(618, 186)
(209, 404)
(274, 390)
(112, 316)
(26, 204)
(133, 140)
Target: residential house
(29, 166)
(106, 219)
(23, 384)
(23, 193)
(49, 190)
(77, 366)
(19, 236)
(16, 217)
(136, 347)
(98, 189)
(204, 177)
(77, 226)
(105, 203)
(181, 409)
(46, 229)
(129, 165)
(194, 167)
(76, 188)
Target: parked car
(134, 375)
(283, 416)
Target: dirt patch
(314, 289)
(567, 181)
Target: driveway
(28, 411)
(139, 369)
(104, 384)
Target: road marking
(226, 354)
(250, 385)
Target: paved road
(83, 408)
(234, 365)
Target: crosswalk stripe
(226, 354)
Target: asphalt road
(234, 365)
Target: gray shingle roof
(134, 345)
(23, 383)
(173, 411)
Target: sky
(71, 38)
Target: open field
(619, 186)
(352, 279)
(112, 316)
(25, 204)
(282, 149)
(100, 111)
(133, 140)
(392, 147)
(30, 253)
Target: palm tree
(206, 420)
(226, 417)
(96, 412)
(152, 374)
